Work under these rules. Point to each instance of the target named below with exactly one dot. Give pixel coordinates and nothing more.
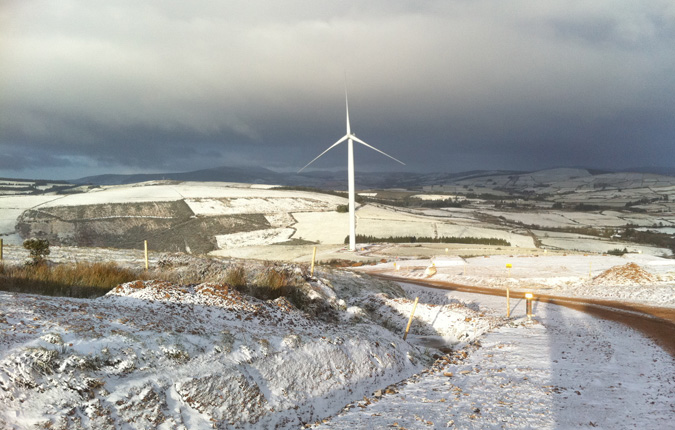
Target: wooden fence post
(311, 273)
(412, 314)
(508, 294)
(590, 270)
(1, 246)
(145, 245)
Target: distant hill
(505, 179)
(667, 171)
(319, 179)
(250, 175)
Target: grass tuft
(236, 277)
(271, 283)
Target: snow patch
(254, 238)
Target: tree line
(427, 239)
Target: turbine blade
(374, 149)
(349, 129)
(342, 139)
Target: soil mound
(628, 274)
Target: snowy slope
(159, 355)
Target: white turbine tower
(350, 138)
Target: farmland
(547, 210)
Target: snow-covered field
(579, 219)
(272, 205)
(11, 207)
(258, 237)
(292, 214)
(312, 217)
(590, 244)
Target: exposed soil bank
(657, 323)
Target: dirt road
(657, 323)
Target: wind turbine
(350, 138)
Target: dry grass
(271, 283)
(236, 277)
(272, 278)
(266, 281)
(70, 280)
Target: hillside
(559, 209)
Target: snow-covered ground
(257, 237)
(566, 370)
(160, 355)
(385, 222)
(633, 277)
(203, 199)
(584, 243)
(245, 205)
(295, 215)
(11, 207)
(580, 219)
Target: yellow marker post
(412, 314)
(311, 272)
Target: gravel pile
(628, 274)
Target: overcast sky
(117, 86)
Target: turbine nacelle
(349, 136)
(353, 137)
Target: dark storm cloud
(13, 160)
(169, 85)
